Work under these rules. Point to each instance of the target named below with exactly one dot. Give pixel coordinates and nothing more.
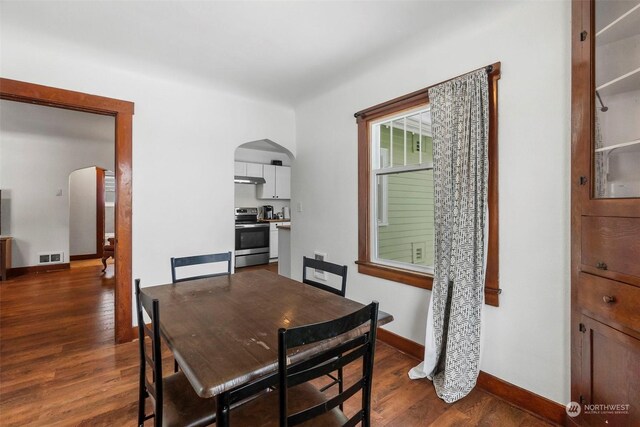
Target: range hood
(248, 180)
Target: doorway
(122, 111)
(91, 212)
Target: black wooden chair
(338, 270)
(296, 401)
(175, 403)
(316, 264)
(199, 259)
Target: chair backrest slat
(325, 368)
(321, 331)
(316, 264)
(198, 260)
(328, 354)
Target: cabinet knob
(601, 266)
(609, 299)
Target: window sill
(414, 278)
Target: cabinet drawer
(611, 244)
(610, 300)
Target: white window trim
(383, 220)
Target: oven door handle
(241, 226)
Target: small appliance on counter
(266, 212)
(286, 214)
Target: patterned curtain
(460, 125)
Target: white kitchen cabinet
(278, 183)
(254, 170)
(284, 252)
(283, 182)
(240, 169)
(273, 238)
(248, 169)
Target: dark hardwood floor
(59, 366)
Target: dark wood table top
(223, 330)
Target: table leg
(222, 411)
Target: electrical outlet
(418, 250)
(299, 206)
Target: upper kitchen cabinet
(616, 99)
(248, 169)
(277, 182)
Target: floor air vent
(50, 258)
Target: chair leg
(340, 386)
(142, 397)
(104, 263)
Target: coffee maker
(266, 212)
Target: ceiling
(283, 51)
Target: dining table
(223, 331)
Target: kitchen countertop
(274, 220)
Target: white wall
(82, 211)
(185, 133)
(527, 338)
(41, 146)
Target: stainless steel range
(252, 238)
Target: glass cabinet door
(617, 99)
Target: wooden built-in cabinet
(605, 212)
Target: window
(402, 191)
(395, 191)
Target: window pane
(408, 235)
(398, 140)
(617, 101)
(419, 142)
(384, 133)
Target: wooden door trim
(14, 90)
(100, 211)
